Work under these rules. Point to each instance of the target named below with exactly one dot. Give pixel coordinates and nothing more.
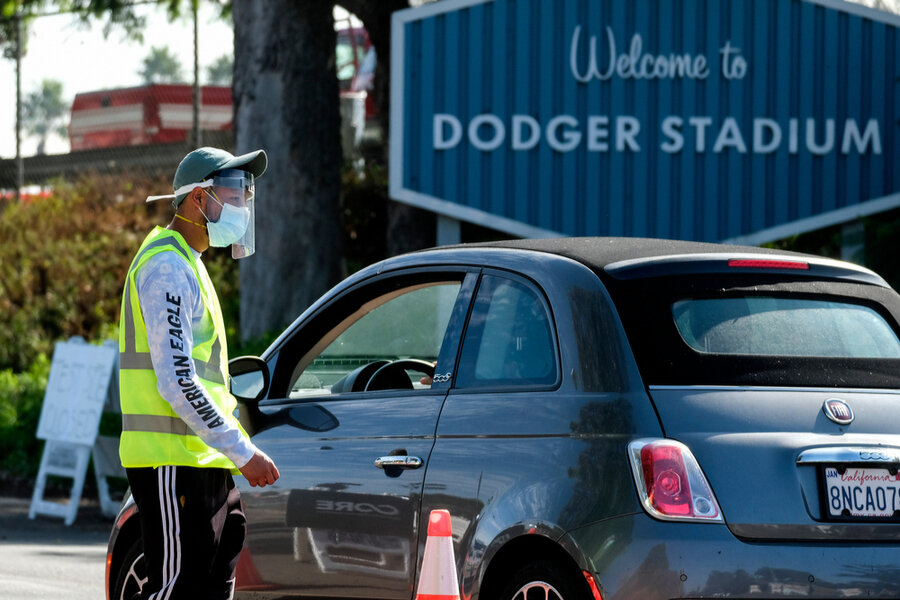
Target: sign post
(77, 390)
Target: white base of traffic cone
(437, 580)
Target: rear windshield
(772, 326)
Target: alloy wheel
(537, 590)
(133, 579)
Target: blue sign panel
(691, 119)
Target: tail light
(755, 263)
(592, 584)
(670, 483)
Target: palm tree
(220, 72)
(161, 66)
(44, 112)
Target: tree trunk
(286, 102)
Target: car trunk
(748, 441)
(740, 357)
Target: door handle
(403, 462)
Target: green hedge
(21, 395)
(63, 261)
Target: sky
(61, 48)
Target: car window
(772, 326)
(405, 325)
(509, 341)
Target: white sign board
(76, 392)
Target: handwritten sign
(76, 392)
(637, 64)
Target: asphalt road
(43, 559)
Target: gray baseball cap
(203, 162)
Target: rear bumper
(638, 557)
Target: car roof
(600, 252)
(623, 257)
(644, 276)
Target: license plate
(862, 492)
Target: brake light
(108, 572)
(126, 514)
(768, 264)
(666, 481)
(670, 483)
(592, 584)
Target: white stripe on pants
(171, 532)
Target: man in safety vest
(181, 442)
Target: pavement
(43, 558)
(90, 525)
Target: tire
(545, 580)
(132, 573)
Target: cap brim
(255, 162)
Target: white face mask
(230, 227)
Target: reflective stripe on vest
(155, 424)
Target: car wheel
(132, 574)
(544, 580)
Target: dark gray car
(603, 418)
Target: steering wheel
(356, 380)
(392, 376)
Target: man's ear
(196, 197)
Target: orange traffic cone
(246, 577)
(437, 581)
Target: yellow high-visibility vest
(152, 433)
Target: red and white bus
(149, 114)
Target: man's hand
(260, 470)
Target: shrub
(64, 258)
(21, 395)
(63, 262)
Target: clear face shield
(231, 212)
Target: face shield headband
(234, 223)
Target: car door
(350, 422)
(504, 448)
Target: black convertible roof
(599, 252)
(628, 258)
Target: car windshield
(773, 326)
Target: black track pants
(193, 529)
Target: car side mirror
(249, 378)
